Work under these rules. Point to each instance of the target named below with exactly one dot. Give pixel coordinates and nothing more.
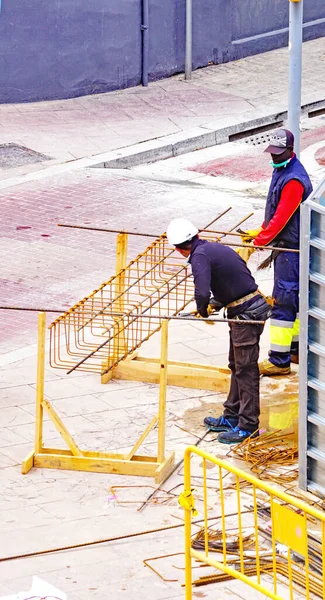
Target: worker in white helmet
(219, 269)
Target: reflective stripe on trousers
(296, 330)
(283, 334)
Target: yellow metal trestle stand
(75, 458)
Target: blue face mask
(277, 165)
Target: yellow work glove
(198, 316)
(250, 234)
(245, 253)
(211, 309)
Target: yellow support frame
(138, 368)
(134, 368)
(182, 374)
(75, 458)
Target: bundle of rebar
(266, 567)
(215, 541)
(249, 565)
(272, 456)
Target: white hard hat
(180, 231)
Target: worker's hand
(250, 234)
(245, 253)
(197, 315)
(211, 310)
(214, 306)
(205, 319)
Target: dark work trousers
(244, 395)
(284, 325)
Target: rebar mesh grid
(157, 284)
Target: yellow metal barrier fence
(253, 532)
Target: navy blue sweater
(220, 270)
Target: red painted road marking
(251, 164)
(320, 156)
(254, 168)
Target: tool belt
(242, 300)
(258, 310)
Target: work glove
(214, 306)
(205, 319)
(245, 253)
(211, 310)
(249, 235)
(197, 315)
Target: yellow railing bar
(257, 484)
(240, 529)
(273, 544)
(306, 557)
(187, 523)
(323, 558)
(290, 573)
(223, 521)
(311, 510)
(256, 537)
(205, 496)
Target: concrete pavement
(48, 509)
(44, 266)
(218, 101)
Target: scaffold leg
(28, 462)
(75, 458)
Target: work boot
(235, 436)
(221, 423)
(269, 369)
(294, 358)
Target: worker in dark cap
(290, 185)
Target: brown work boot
(269, 369)
(294, 358)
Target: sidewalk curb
(186, 141)
(165, 147)
(201, 137)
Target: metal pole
(188, 40)
(295, 68)
(188, 527)
(145, 42)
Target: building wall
(53, 49)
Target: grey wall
(65, 48)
